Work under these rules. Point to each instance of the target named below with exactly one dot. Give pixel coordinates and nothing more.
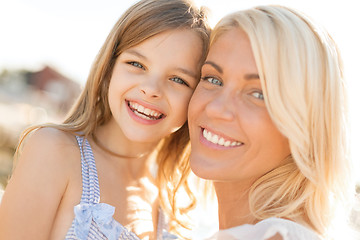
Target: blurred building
(47, 88)
(27, 98)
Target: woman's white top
(266, 229)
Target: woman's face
(232, 135)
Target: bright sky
(67, 34)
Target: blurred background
(47, 48)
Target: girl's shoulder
(51, 135)
(47, 173)
(50, 139)
(49, 148)
(268, 229)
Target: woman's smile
(214, 140)
(232, 134)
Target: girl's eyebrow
(136, 53)
(186, 71)
(180, 69)
(249, 76)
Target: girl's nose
(151, 88)
(150, 93)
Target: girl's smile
(152, 83)
(143, 113)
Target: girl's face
(232, 135)
(152, 83)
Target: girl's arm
(32, 197)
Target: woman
(268, 126)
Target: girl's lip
(147, 105)
(140, 119)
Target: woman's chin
(202, 168)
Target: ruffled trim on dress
(102, 215)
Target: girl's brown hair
(141, 21)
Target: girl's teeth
(142, 111)
(212, 137)
(147, 111)
(142, 116)
(153, 113)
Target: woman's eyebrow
(214, 65)
(250, 76)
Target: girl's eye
(136, 64)
(179, 80)
(258, 95)
(212, 80)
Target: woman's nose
(221, 107)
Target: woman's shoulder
(268, 229)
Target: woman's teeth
(212, 137)
(144, 112)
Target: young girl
(268, 125)
(92, 177)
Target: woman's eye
(212, 80)
(258, 95)
(136, 64)
(179, 80)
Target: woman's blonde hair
(302, 78)
(140, 22)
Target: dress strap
(90, 182)
(160, 225)
(162, 228)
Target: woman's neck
(233, 204)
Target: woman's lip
(225, 143)
(217, 133)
